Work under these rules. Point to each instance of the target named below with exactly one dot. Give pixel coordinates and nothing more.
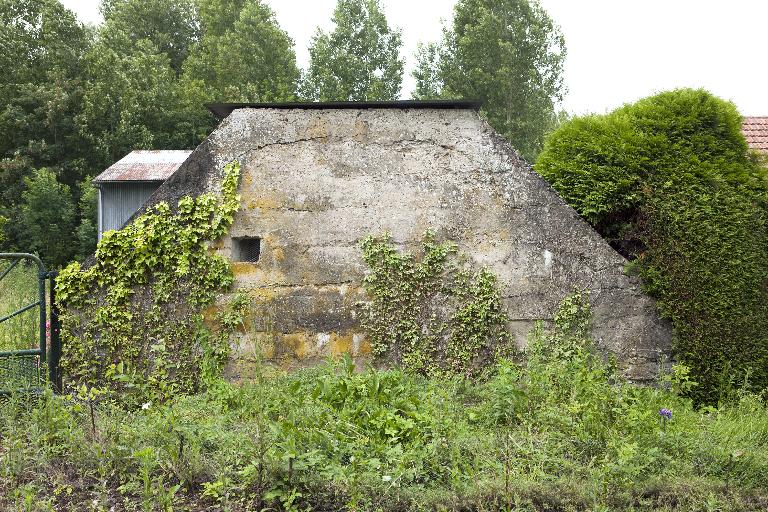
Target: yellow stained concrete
(262, 203)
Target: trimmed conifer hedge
(671, 184)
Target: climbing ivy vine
(134, 319)
(432, 314)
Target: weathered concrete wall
(315, 182)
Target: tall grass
(560, 432)
(18, 289)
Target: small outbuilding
(126, 185)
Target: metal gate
(24, 370)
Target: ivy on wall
(133, 320)
(434, 313)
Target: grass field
(557, 433)
(18, 289)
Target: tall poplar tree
(243, 55)
(359, 60)
(173, 26)
(509, 55)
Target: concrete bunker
(317, 178)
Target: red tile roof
(140, 165)
(755, 130)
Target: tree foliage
(173, 26)
(129, 103)
(75, 99)
(359, 60)
(40, 145)
(669, 181)
(509, 55)
(243, 55)
(46, 218)
(41, 85)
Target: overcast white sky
(618, 50)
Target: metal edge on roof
(128, 182)
(222, 110)
(144, 166)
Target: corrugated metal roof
(755, 130)
(144, 165)
(222, 110)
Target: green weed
(560, 432)
(18, 289)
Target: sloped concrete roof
(144, 165)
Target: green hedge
(670, 182)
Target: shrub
(46, 217)
(670, 183)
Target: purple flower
(665, 413)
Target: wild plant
(560, 431)
(18, 289)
